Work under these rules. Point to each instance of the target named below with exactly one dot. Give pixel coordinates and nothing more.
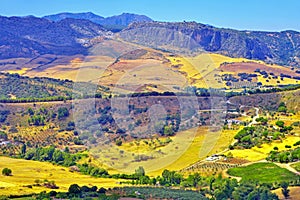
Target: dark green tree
(74, 189)
(6, 172)
(63, 112)
(140, 171)
(23, 149)
(280, 123)
(285, 191)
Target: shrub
(6, 172)
(118, 142)
(63, 112)
(74, 189)
(297, 143)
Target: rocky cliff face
(274, 47)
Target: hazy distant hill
(117, 21)
(31, 36)
(274, 47)
(88, 16)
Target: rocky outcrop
(273, 47)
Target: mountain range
(116, 22)
(69, 34)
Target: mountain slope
(31, 36)
(14, 86)
(274, 47)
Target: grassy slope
(15, 87)
(26, 172)
(263, 172)
(204, 70)
(256, 154)
(183, 151)
(291, 99)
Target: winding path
(287, 166)
(255, 117)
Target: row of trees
(279, 88)
(64, 158)
(218, 189)
(85, 192)
(75, 191)
(31, 99)
(51, 154)
(285, 156)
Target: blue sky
(270, 15)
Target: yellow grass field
(20, 72)
(26, 172)
(183, 151)
(256, 154)
(132, 74)
(89, 69)
(204, 70)
(286, 81)
(289, 118)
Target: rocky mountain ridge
(274, 47)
